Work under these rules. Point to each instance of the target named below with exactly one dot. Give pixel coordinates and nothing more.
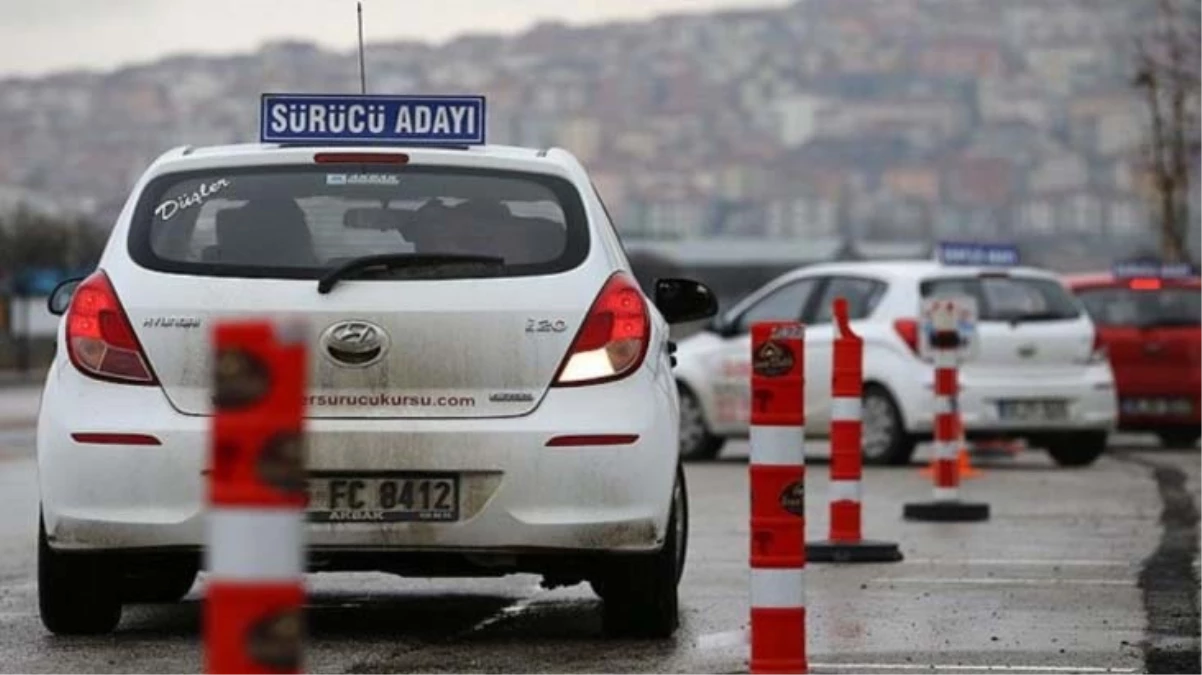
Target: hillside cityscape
(786, 132)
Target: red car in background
(1149, 319)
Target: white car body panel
(458, 338)
(716, 368)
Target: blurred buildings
(829, 123)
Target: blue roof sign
(1151, 268)
(964, 253)
(385, 120)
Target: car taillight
(907, 330)
(613, 340)
(1097, 353)
(100, 340)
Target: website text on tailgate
(399, 401)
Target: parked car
(1151, 327)
(476, 337)
(1039, 374)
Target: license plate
(1157, 406)
(389, 498)
(1033, 411)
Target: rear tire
(169, 582)
(1077, 449)
(1179, 439)
(696, 441)
(639, 593)
(884, 439)
(77, 595)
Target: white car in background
(476, 337)
(1039, 374)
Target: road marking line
(1020, 561)
(973, 668)
(1000, 581)
(723, 640)
(741, 638)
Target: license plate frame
(361, 497)
(1033, 410)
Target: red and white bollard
(946, 505)
(963, 462)
(845, 491)
(255, 550)
(777, 473)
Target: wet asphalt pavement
(1090, 570)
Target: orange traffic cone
(964, 464)
(966, 468)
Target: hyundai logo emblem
(356, 344)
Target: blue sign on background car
(414, 120)
(967, 253)
(1153, 268)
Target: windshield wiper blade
(387, 261)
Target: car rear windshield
(1010, 298)
(1116, 306)
(298, 222)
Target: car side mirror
(60, 297)
(684, 300)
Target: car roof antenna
(362, 70)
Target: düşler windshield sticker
(170, 207)
(362, 179)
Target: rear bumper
(1154, 425)
(1155, 408)
(516, 494)
(1089, 395)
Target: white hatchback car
(1039, 373)
(510, 348)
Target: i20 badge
(354, 344)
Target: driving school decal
(772, 359)
(793, 498)
(293, 118)
(169, 207)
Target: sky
(43, 36)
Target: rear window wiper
(386, 261)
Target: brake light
(100, 340)
(360, 158)
(1145, 284)
(1097, 353)
(613, 340)
(907, 330)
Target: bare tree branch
(1167, 72)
